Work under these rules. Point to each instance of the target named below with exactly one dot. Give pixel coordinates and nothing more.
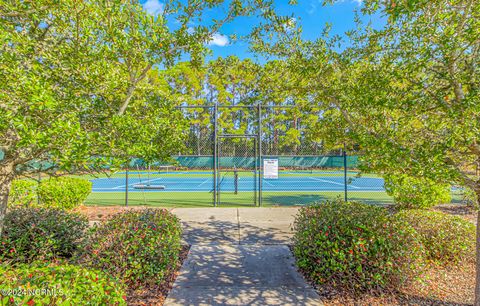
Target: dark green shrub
(64, 192)
(40, 234)
(23, 193)
(58, 285)
(447, 239)
(357, 246)
(140, 247)
(411, 192)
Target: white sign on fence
(270, 168)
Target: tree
(78, 86)
(408, 93)
(243, 83)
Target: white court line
(207, 180)
(147, 181)
(332, 182)
(267, 182)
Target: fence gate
(237, 170)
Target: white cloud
(313, 7)
(219, 40)
(358, 2)
(153, 7)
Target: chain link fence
(224, 161)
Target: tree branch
(131, 89)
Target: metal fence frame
(258, 141)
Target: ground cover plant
(134, 255)
(140, 247)
(58, 284)
(41, 234)
(356, 246)
(445, 265)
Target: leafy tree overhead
(408, 93)
(78, 80)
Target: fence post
(215, 155)
(260, 154)
(345, 172)
(126, 186)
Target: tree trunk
(6, 177)
(477, 279)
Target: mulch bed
(156, 295)
(458, 210)
(441, 286)
(102, 213)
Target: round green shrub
(41, 234)
(23, 193)
(58, 285)
(447, 239)
(356, 246)
(411, 192)
(64, 192)
(140, 247)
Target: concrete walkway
(239, 256)
(237, 225)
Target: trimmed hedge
(411, 192)
(447, 239)
(140, 247)
(58, 285)
(356, 246)
(23, 193)
(41, 234)
(64, 192)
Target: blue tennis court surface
(184, 183)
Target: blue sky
(309, 13)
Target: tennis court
(203, 182)
(194, 188)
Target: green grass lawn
(228, 199)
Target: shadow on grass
(295, 200)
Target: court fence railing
(189, 180)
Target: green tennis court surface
(195, 188)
